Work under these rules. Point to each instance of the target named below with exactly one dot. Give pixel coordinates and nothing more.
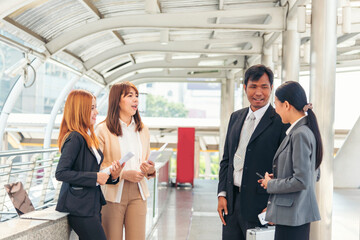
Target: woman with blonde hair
(120, 133)
(79, 165)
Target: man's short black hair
(255, 72)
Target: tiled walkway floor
(191, 214)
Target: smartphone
(261, 176)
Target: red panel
(185, 156)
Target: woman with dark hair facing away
(120, 133)
(79, 165)
(292, 204)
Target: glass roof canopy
(106, 41)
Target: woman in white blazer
(120, 133)
(292, 204)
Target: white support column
(267, 58)
(226, 108)
(322, 95)
(197, 157)
(291, 50)
(100, 102)
(245, 101)
(207, 158)
(5, 141)
(55, 110)
(11, 100)
(96, 94)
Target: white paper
(155, 154)
(261, 217)
(124, 159)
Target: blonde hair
(76, 117)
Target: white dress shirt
(130, 142)
(95, 151)
(293, 125)
(258, 115)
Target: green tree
(158, 106)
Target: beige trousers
(130, 213)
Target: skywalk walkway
(191, 214)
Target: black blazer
(77, 169)
(260, 151)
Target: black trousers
(301, 232)
(236, 225)
(88, 228)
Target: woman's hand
(116, 169)
(263, 182)
(148, 167)
(133, 176)
(102, 178)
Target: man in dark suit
(253, 136)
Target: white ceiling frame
(344, 58)
(353, 61)
(183, 64)
(152, 6)
(355, 15)
(177, 47)
(25, 30)
(44, 57)
(171, 79)
(221, 7)
(162, 76)
(91, 8)
(9, 6)
(221, 4)
(355, 28)
(171, 21)
(293, 10)
(342, 50)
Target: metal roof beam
(178, 47)
(346, 37)
(272, 39)
(343, 50)
(162, 76)
(25, 30)
(184, 64)
(9, 6)
(91, 8)
(293, 10)
(341, 58)
(152, 6)
(171, 21)
(171, 79)
(118, 36)
(146, 77)
(221, 4)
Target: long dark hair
(118, 91)
(294, 94)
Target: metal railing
(35, 172)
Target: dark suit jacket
(77, 169)
(259, 156)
